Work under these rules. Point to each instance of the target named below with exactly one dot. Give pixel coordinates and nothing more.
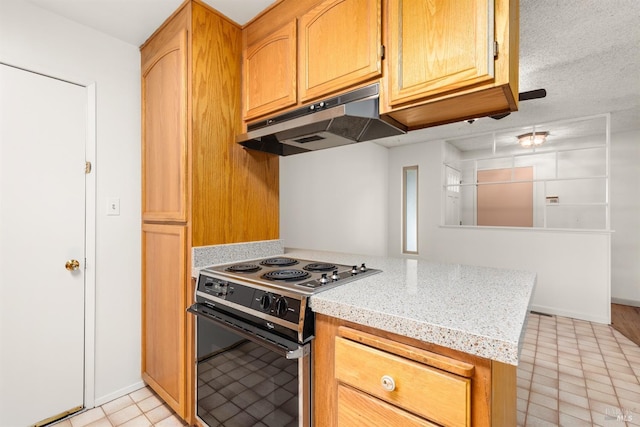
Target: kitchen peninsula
(419, 342)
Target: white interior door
(42, 225)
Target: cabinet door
(164, 132)
(164, 322)
(437, 46)
(270, 73)
(340, 44)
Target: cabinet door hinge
(381, 51)
(87, 167)
(495, 49)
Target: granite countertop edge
(456, 339)
(488, 322)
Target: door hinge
(87, 167)
(381, 51)
(495, 49)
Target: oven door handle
(294, 351)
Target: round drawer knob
(388, 383)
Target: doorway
(452, 194)
(46, 128)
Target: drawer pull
(388, 383)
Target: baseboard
(623, 301)
(99, 401)
(574, 315)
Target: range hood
(345, 119)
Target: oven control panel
(276, 305)
(266, 302)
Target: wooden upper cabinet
(442, 64)
(164, 132)
(270, 73)
(339, 44)
(437, 46)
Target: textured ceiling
(585, 53)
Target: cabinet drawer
(423, 390)
(358, 409)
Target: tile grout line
(584, 380)
(533, 363)
(615, 394)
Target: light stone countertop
(477, 310)
(205, 256)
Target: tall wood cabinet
(198, 186)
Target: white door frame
(90, 250)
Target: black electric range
(273, 293)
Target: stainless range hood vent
(345, 119)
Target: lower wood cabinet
(165, 348)
(419, 388)
(368, 377)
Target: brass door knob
(72, 265)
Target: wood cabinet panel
(437, 46)
(339, 46)
(270, 73)
(357, 409)
(235, 192)
(164, 136)
(164, 303)
(429, 392)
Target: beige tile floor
(576, 373)
(572, 373)
(142, 408)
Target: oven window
(245, 384)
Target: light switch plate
(113, 206)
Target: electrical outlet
(113, 206)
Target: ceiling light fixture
(532, 139)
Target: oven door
(247, 376)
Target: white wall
(625, 217)
(40, 41)
(335, 200)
